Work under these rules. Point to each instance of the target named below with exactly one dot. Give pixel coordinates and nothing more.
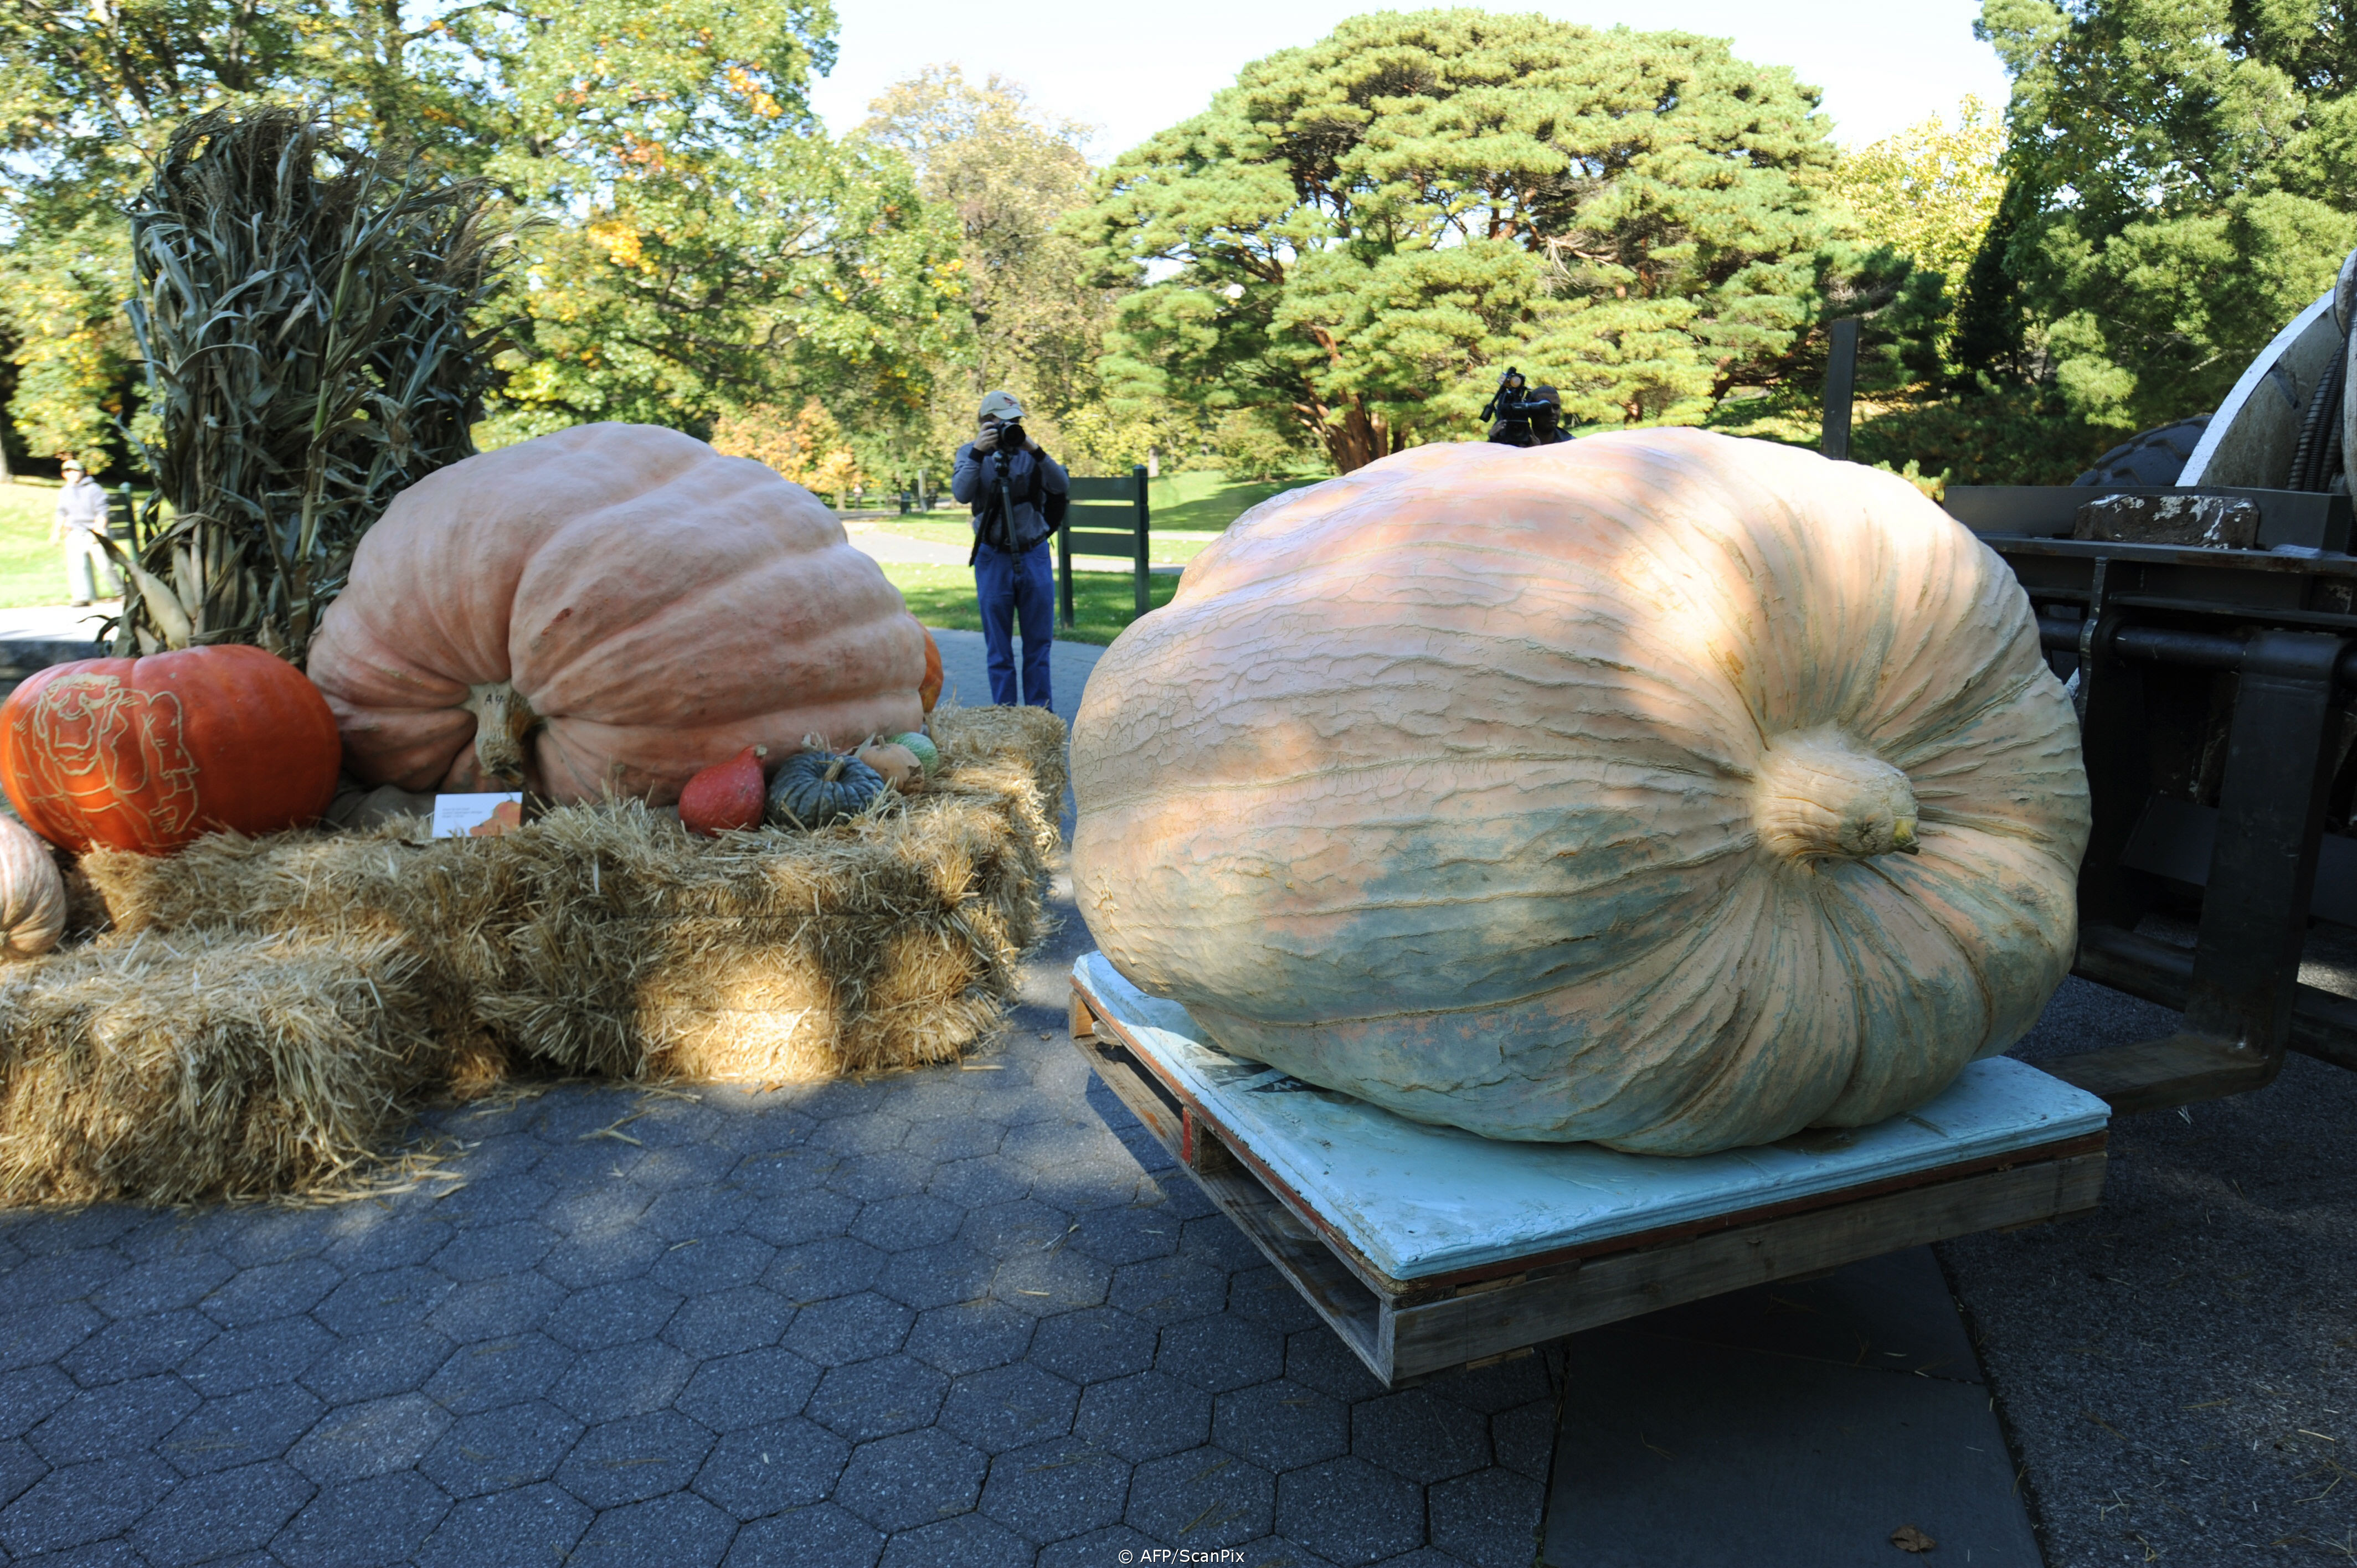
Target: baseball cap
(1001, 406)
(72, 466)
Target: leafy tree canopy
(2179, 188)
(1356, 232)
(708, 245)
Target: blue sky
(1133, 68)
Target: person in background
(80, 524)
(1007, 479)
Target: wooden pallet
(1408, 1329)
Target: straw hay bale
(206, 1065)
(603, 939)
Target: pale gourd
(32, 894)
(1662, 790)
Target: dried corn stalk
(306, 324)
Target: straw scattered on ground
(259, 1015)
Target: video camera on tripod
(1518, 412)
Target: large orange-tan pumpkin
(1660, 789)
(612, 606)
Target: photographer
(1018, 494)
(1529, 417)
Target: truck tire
(2155, 457)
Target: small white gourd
(32, 894)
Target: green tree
(708, 242)
(2179, 188)
(1357, 232)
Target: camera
(1011, 438)
(1513, 408)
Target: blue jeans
(1009, 586)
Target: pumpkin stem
(503, 719)
(1820, 793)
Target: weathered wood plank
(1444, 1333)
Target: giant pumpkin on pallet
(1663, 790)
(614, 607)
(151, 754)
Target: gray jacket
(82, 505)
(975, 480)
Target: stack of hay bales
(259, 1013)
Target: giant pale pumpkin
(1660, 789)
(612, 606)
(150, 754)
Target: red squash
(150, 754)
(726, 795)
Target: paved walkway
(55, 623)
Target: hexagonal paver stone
(36, 1335)
(140, 1346)
(1205, 1497)
(927, 1277)
(373, 1439)
(767, 1469)
(1268, 1298)
(791, 1218)
(1281, 1425)
(849, 1328)
(1418, 1436)
(1007, 1229)
(272, 1292)
(1125, 1235)
(1058, 1489)
(1144, 1416)
(66, 1275)
(823, 1270)
(1523, 1438)
(1502, 1385)
(969, 1538)
(979, 1184)
(264, 1354)
(700, 1265)
(1096, 1345)
(750, 1390)
(492, 1308)
(915, 1479)
(1319, 1358)
(600, 1207)
(1350, 1511)
(1009, 1407)
(749, 1317)
(805, 1538)
(1098, 1547)
(1221, 1353)
(494, 1251)
(20, 1467)
(162, 1285)
(118, 1418)
(903, 1224)
(680, 1530)
(530, 1524)
(630, 1460)
(944, 1139)
(391, 1299)
(1051, 1281)
(873, 1178)
(875, 1399)
(970, 1336)
(1489, 1519)
(498, 1372)
(227, 1434)
(363, 1524)
(76, 1504)
(699, 1214)
(372, 1366)
(229, 1510)
(27, 1396)
(1170, 1290)
(618, 1314)
(630, 1380)
(579, 1263)
(500, 1449)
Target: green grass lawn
(32, 569)
(1199, 500)
(1104, 601)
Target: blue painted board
(1417, 1201)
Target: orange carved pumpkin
(612, 606)
(150, 754)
